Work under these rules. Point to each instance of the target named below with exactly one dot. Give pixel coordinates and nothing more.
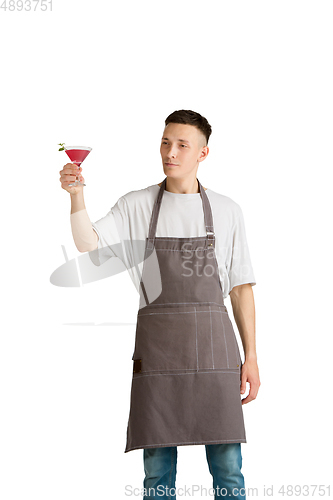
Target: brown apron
(186, 362)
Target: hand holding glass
(77, 154)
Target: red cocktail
(77, 154)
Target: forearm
(77, 202)
(85, 238)
(242, 302)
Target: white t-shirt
(180, 216)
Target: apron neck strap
(157, 205)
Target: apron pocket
(225, 346)
(166, 341)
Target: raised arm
(85, 238)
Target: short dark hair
(189, 117)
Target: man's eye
(183, 145)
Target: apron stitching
(190, 369)
(211, 334)
(166, 238)
(141, 280)
(226, 370)
(239, 440)
(237, 349)
(184, 312)
(229, 370)
(184, 251)
(196, 336)
(225, 341)
(166, 303)
(218, 271)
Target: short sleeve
(111, 231)
(240, 271)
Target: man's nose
(172, 151)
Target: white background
(106, 74)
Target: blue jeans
(224, 462)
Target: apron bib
(186, 361)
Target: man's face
(183, 146)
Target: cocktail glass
(77, 154)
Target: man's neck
(182, 189)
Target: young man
(188, 375)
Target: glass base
(77, 183)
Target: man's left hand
(250, 374)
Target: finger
(67, 173)
(254, 390)
(252, 394)
(69, 178)
(243, 383)
(76, 171)
(246, 400)
(73, 168)
(70, 167)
